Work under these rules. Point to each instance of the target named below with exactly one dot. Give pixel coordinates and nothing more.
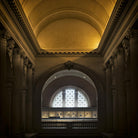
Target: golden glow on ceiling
(68, 25)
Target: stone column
(113, 62)
(3, 47)
(16, 114)
(121, 92)
(134, 79)
(109, 100)
(19, 95)
(127, 84)
(29, 98)
(3, 67)
(9, 90)
(23, 90)
(10, 47)
(9, 83)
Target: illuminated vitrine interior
(69, 113)
(68, 103)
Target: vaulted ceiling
(68, 25)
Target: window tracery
(70, 97)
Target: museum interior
(68, 68)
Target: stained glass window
(70, 97)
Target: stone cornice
(17, 9)
(11, 21)
(119, 7)
(68, 54)
(123, 17)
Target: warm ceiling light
(68, 26)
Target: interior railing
(69, 118)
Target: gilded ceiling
(68, 25)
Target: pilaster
(114, 89)
(121, 92)
(127, 82)
(16, 114)
(133, 76)
(29, 97)
(3, 67)
(109, 98)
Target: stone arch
(68, 65)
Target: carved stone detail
(132, 33)
(30, 66)
(5, 35)
(125, 44)
(10, 47)
(120, 49)
(16, 50)
(68, 65)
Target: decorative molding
(15, 6)
(107, 66)
(26, 61)
(134, 33)
(112, 25)
(123, 17)
(14, 20)
(120, 49)
(69, 65)
(89, 54)
(5, 34)
(126, 46)
(10, 47)
(16, 50)
(30, 66)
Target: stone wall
(16, 80)
(121, 86)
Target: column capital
(30, 65)
(126, 46)
(33, 69)
(10, 47)
(132, 33)
(26, 61)
(5, 34)
(120, 49)
(11, 43)
(22, 53)
(109, 64)
(111, 61)
(125, 43)
(16, 50)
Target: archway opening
(69, 96)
